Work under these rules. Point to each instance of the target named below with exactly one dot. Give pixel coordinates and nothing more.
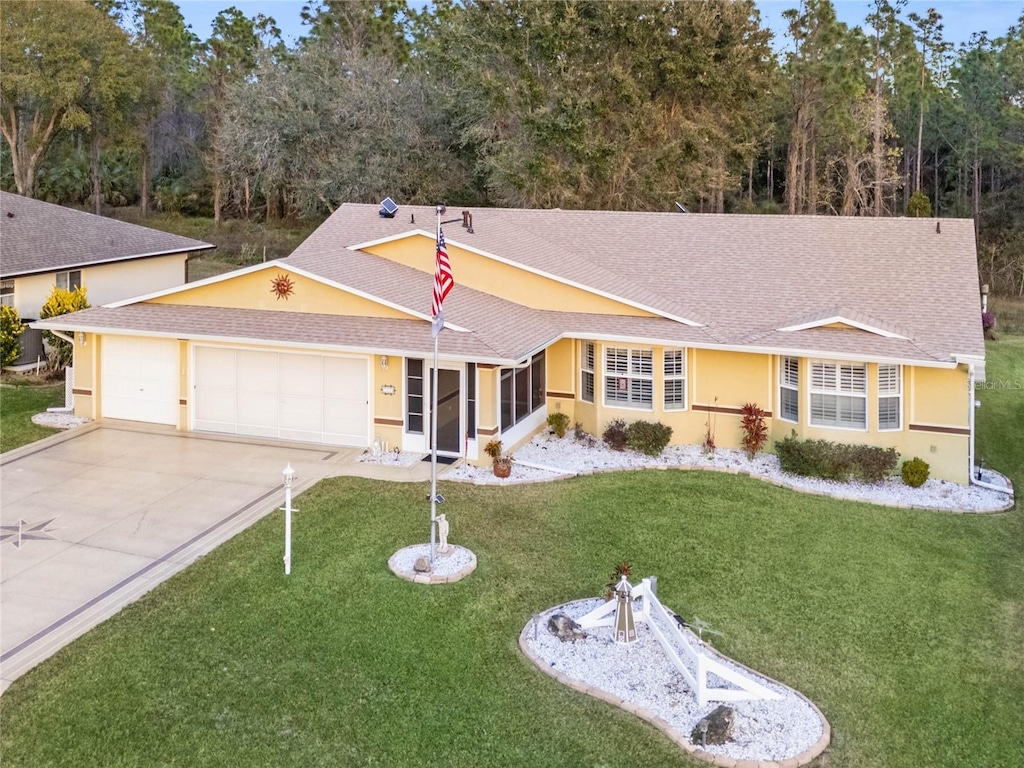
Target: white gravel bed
(573, 457)
(58, 420)
(641, 674)
(404, 459)
(444, 565)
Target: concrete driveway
(95, 518)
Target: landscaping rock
(564, 628)
(718, 724)
(422, 565)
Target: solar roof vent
(388, 208)
(681, 208)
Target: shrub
(580, 435)
(915, 472)
(62, 302)
(11, 328)
(755, 431)
(615, 435)
(559, 423)
(493, 449)
(620, 570)
(709, 432)
(648, 437)
(835, 461)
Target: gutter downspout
(972, 406)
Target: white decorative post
(289, 479)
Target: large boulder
(564, 628)
(716, 728)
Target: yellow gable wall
(509, 282)
(252, 291)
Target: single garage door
(139, 379)
(283, 395)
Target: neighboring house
(43, 245)
(850, 329)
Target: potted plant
(502, 461)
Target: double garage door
(282, 395)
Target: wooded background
(625, 105)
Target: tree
(61, 68)
(883, 20)
(11, 329)
(933, 52)
(61, 302)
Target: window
(587, 371)
(522, 391)
(629, 377)
(838, 395)
(7, 293)
(890, 392)
(69, 281)
(789, 389)
(414, 396)
(675, 379)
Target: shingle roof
(42, 237)
(742, 277)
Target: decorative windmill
(625, 626)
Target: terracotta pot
(502, 470)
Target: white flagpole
(433, 422)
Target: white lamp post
(289, 480)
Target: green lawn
(18, 404)
(903, 626)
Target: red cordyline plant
(755, 431)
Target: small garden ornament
(442, 534)
(625, 624)
(502, 461)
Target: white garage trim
(281, 394)
(139, 379)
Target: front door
(449, 433)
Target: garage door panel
(283, 395)
(258, 371)
(139, 379)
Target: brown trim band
(182, 402)
(485, 366)
(388, 422)
(564, 395)
(940, 430)
(81, 391)
(724, 409)
(487, 432)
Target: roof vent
(467, 221)
(388, 208)
(681, 208)
(938, 228)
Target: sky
(960, 17)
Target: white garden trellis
(693, 664)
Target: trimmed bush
(648, 437)
(915, 472)
(755, 431)
(559, 423)
(615, 435)
(11, 328)
(835, 461)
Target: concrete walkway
(94, 518)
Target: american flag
(443, 283)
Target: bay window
(838, 395)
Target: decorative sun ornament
(282, 287)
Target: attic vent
(388, 208)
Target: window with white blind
(839, 395)
(675, 379)
(629, 377)
(789, 389)
(587, 371)
(7, 293)
(890, 397)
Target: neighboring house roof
(861, 288)
(38, 237)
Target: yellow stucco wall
(487, 403)
(85, 375)
(387, 409)
(105, 283)
(938, 396)
(481, 273)
(253, 291)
